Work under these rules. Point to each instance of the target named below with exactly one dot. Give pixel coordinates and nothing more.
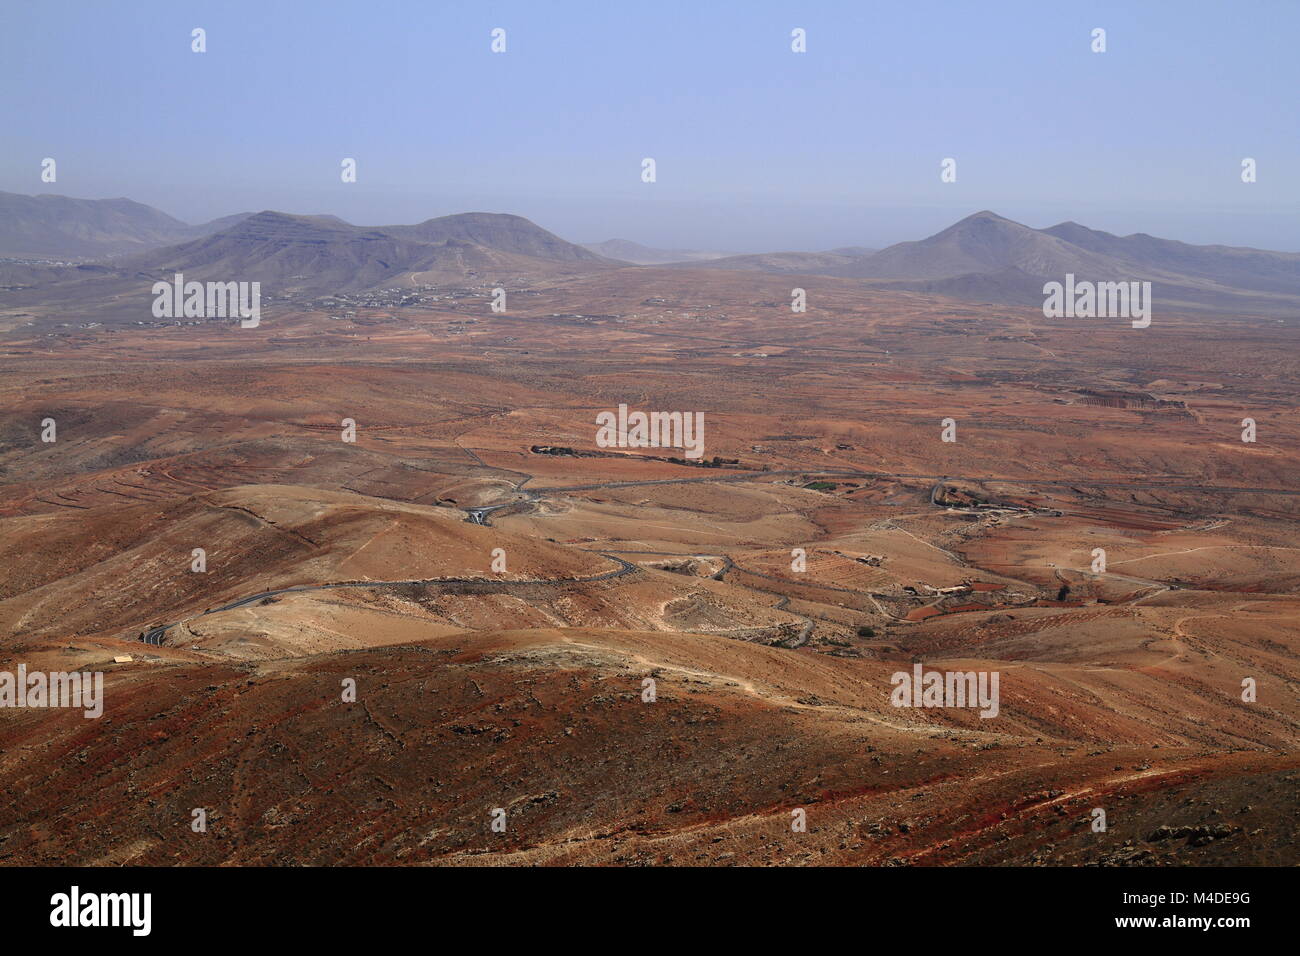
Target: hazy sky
(757, 147)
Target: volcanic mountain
(987, 257)
(1238, 267)
(984, 257)
(48, 226)
(291, 253)
(984, 242)
(503, 233)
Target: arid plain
(523, 689)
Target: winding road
(156, 635)
(480, 515)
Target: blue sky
(758, 148)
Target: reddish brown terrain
(522, 689)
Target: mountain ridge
(982, 257)
(49, 225)
(988, 258)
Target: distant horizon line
(874, 246)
